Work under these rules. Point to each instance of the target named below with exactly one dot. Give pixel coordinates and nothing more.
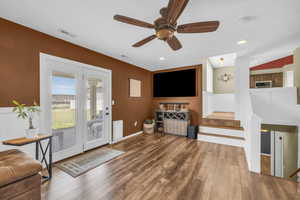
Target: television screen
(175, 84)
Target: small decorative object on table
(162, 107)
(149, 126)
(24, 112)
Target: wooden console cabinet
(173, 122)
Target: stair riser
(221, 131)
(219, 140)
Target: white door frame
(45, 96)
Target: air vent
(67, 33)
(124, 56)
(247, 19)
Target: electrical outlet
(135, 123)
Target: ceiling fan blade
(175, 8)
(174, 43)
(199, 27)
(132, 21)
(144, 41)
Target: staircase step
(223, 136)
(224, 127)
(221, 131)
(219, 139)
(221, 122)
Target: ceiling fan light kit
(166, 25)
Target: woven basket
(149, 128)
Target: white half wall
(218, 102)
(276, 105)
(223, 102)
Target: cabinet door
(252, 81)
(277, 79)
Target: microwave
(263, 84)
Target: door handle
(107, 111)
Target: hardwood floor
(265, 163)
(170, 168)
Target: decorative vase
(162, 107)
(31, 133)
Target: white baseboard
(128, 136)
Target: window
(63, 101)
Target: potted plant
(24, 112)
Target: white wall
(209, 77)
(220, 86)
(242, 87)
(297, 67)
(244, 112)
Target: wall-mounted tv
(175, 84)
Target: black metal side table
(38, 147)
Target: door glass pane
(63, 111)
(94, 108)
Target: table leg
(37, 151)
(50, 158)
(44, 156)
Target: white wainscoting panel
(11, 127)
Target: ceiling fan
(166, 25)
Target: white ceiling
(228, 60)
(276, 24)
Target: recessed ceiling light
(242, 42)
(222, 62)
(162, 58)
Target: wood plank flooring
(170, 168)
(265, 163)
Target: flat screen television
(175, 84)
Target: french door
(96, 109)
(75, 104)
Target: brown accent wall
(19, 72)
(195, 103)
